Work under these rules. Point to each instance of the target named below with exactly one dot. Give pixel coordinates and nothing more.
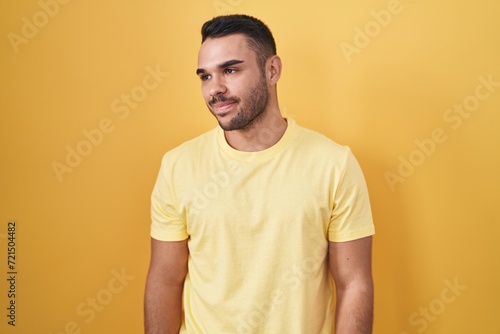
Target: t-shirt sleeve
(351, 217)
(167, 222)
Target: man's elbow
(362, 286)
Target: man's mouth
(223, 107)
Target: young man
(252, 220)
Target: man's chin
(238, 122)
(227, 127)
(226, 123)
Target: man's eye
(204, 77)
(230, 70)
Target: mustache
(222, 98)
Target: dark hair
(258, 34)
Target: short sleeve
(351, 217)
(167, 223)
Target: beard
(251, 112)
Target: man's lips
(223, 106)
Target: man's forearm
(354, 311)
(162, 308)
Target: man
(252, 220)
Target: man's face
(233, 86)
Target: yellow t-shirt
(258, 225)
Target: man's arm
(350, 265)
(164, 285)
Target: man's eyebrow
(230, 63)
(223, 65)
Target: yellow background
(75, 233)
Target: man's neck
(261, 135)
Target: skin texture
(243, 98)
(247, 114)
(253, 126)
(350, 265)
(164, 286)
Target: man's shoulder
(316, 140)
(192, 147)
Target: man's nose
(217, 86)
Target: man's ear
(273, 67)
